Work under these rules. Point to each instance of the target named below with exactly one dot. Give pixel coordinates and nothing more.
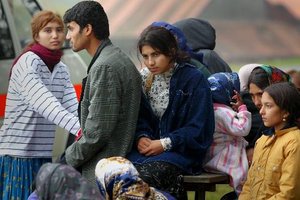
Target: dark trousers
(163, 176)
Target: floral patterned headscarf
(275, 75)
(118, 179)
(57, 181)
(222, 86)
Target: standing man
(111, 91)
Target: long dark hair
(162, 41)
(287, 97)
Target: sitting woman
(176, 119)
(274, 173)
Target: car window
(22, 20)
(6, 44)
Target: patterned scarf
(118, 179)
(58, 181)
(222, 86)
(275, 75)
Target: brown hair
(287, 98)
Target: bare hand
(143, 143)
(249, 153)
(153, 149)
(237, 101)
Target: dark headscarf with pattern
(57, 181)
(223, 85)
(265, 75)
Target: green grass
(220, 191)
(284, 62)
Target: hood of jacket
(199, 34)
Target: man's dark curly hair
(89, 12)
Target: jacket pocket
(273, 173)
(181, 102)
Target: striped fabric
(37, 101)
(228, 151)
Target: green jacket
(109, 110)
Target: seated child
(232, 121)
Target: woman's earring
(284, 119)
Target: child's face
(272, 115)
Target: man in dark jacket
(201, 38)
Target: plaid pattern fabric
(109, 110)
